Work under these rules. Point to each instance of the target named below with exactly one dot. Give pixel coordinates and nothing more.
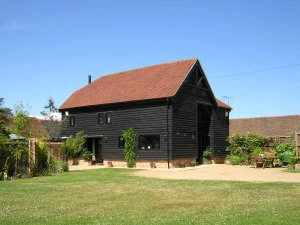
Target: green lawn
(292, 171)
(113, 196)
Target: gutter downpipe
(167, 118)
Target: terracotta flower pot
(152, 165)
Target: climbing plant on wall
(129, 148)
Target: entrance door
(204, 118)
(98, 150)
(95, 146)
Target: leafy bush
(238, 160)
(285, 153)
(207, 154)
(75, 144)
(58, 166)
(181, 164)
(65, 167)
(87, 155)
(193, 163)
(129, 149)
(42, 163)
(243, 147)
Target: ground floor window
(149, 141)
(121, 142)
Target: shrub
(181, 164)
(129, 148)
(285, 153)
(243, 147)
(87, 155)
(74, 144)
(207, 154)
(193, 163)
(237, 160)
(65, 167)
(58, 166)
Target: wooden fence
(297, 140)
(30, 156)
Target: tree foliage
(246, 144)
(129, 149)
(4, 112)
(52, 126)
(20, 121)
(19, 125)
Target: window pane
(108, 117)
(100, 118)
(121, 142)
(149, 142)
(72, 121)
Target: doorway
(94, 145)
(204, 113)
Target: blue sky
(48, 48)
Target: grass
(113, 196)
(292, 171)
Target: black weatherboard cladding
(185, 121)
(145, 119)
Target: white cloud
(56, 116)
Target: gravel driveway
(223, 172)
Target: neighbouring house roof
(147, 83)
(16, 137)
(37, 128)
(222, 104)
(267, 126)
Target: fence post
(297, 135)
(29, 155)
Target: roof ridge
(144, 67)
(261, 117)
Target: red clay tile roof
(152, 82)
(35, 127)
(267, 126)
(222, 104)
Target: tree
(19, 125)
(4, 113)
(53, 126)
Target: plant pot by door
(75, 161)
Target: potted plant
(192, 163)
(181, 164)
(207, 157)
(87, 156)
(152, 165)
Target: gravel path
(223, 172)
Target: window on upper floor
(101, 118)
(72, 121)
(104, 117)
(108, 117)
